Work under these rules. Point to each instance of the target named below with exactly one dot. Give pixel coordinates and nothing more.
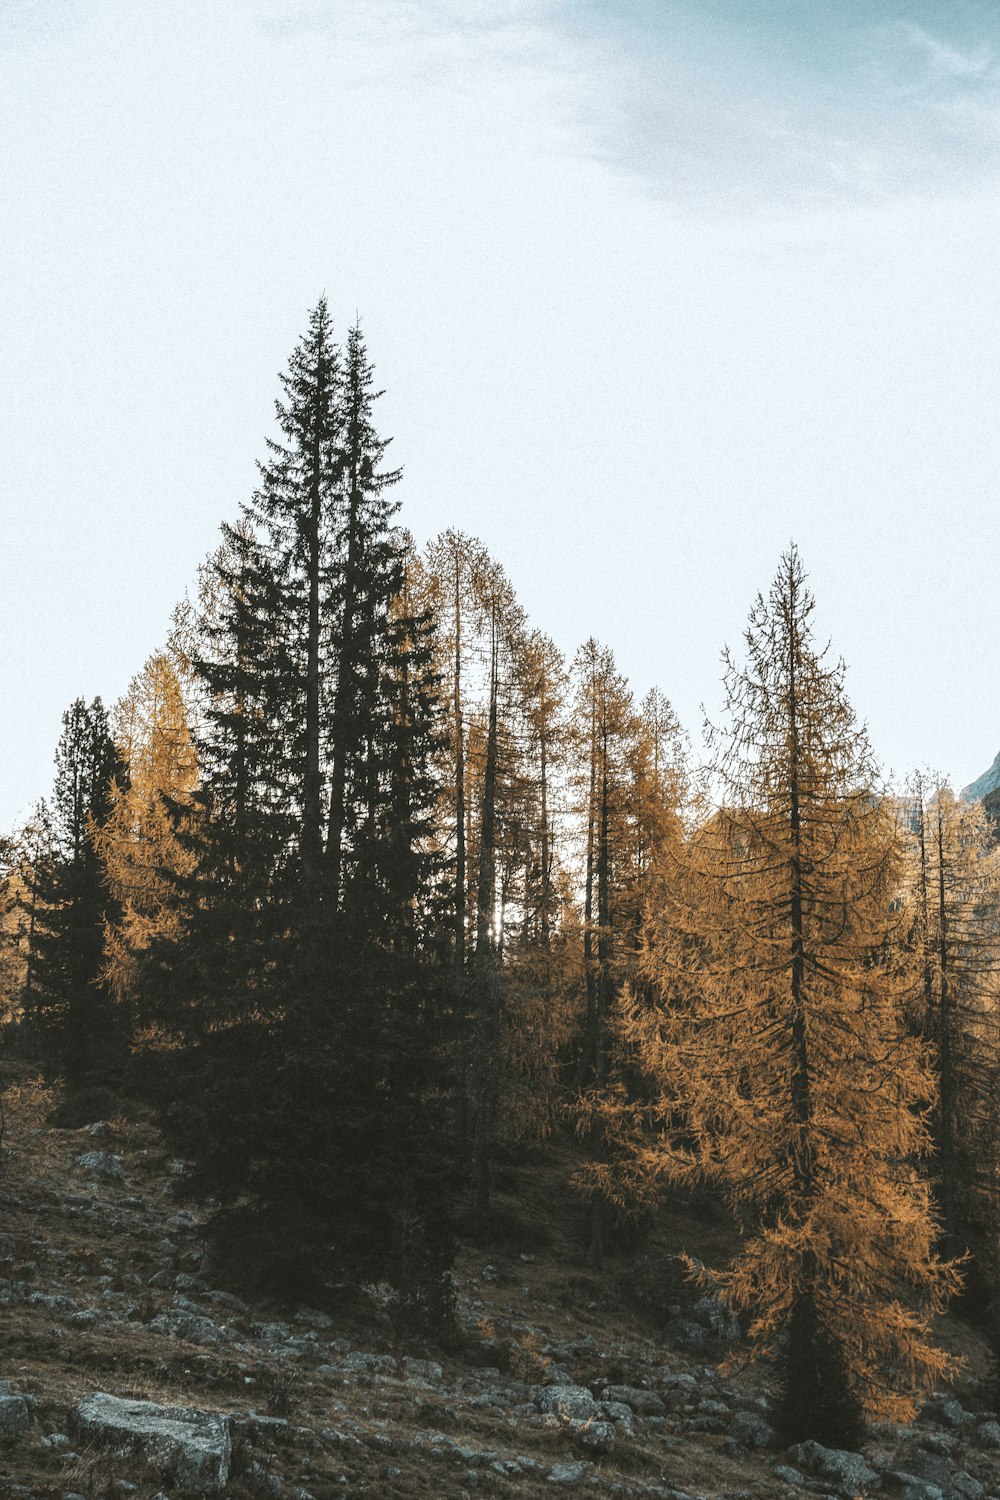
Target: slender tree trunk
(590, 978)
(944, 1027)
(598, 1220)
(312, 792)
(816, 1386)
(487, 985)
(929, 1017)
(344, 704)
(546, 883)
(460, 874)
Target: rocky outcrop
(103, 1164)
(193, 1447)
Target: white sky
(652, 286)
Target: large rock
(102, 1164)
(646, 1403)
(193, 1446)
(912, 1487)
(835, 1466)
(573, 1403)
(14, 1415)
(751, 1429)
(568, 1473)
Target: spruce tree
(67, 1004)
(310, 941)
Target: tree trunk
(487, 982)
(460, 874)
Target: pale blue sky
(652, 287)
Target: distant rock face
(193, 1445)
(983, 785)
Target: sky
(653, 287)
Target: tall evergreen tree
(68, 1006)
(310, 935)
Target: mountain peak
(983, 785)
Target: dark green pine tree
(67, 1007)
(369, 579)
(311, 1094)
(294, 516)
(367, 1052)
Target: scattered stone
(228, 1301)
(359, 1363)
(646, 1403)
(911, 1487)
(938, 1442)
(966, 1486)
(679, 1385)
(836, 1466)
(184, 1325)
(788, 1475)
(597, 1437)
(622, 1415)
(14, 1414)
(947, 1412)
(750, 1429)
(935, 1467)
(87, 1317)
(687, 1335)
(717, 1319)
(573, 1403)
(262, 1482)
(988, 1434)
(425, 1372)
(567, 1473)
(102, 1164)
(194, 1445)
(184, 1282)
(313, 1317)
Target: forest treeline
(362, 879)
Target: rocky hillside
(129, 1371)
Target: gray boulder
(182, 1324)
(102, 1164)
(912, 1487)
(934, 1467)
(596, 1437)
(965, 1486)
(567, 1473)
(845, 1471)
(14, 1414)
(750, 1429)
(422, 1372)
(714, 1316)
(645, 1403)
(573, 1403)
(193, 1446)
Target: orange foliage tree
(773, 1035)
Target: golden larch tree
(772, 1029)
(141, 844)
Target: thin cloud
(948, 61)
